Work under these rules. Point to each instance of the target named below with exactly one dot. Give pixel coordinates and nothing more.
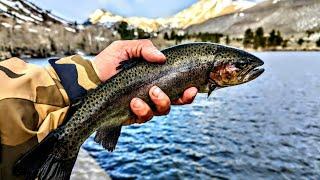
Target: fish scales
(205, 66)
(99, 107)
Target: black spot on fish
(9, 73)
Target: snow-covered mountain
(22, 11)
(206, 9)
(35, 32)
(197, 13)
(288, 16)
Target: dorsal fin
(127, 64)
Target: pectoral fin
(108, 137)
(211, 86)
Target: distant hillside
(288, 16)
(29, 31)
(197, 13)
(23, 11)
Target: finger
(161, 100)
(141, 110)
(107, 61)
(150, 53)
(129, 122)
(145, 48)
(187, 97)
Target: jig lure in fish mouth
(206, 66)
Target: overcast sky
(79, 10)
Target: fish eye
(240, 64)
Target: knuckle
(167, 112)
(167, 103)
(164, 111)
(145, 43)
(117, 43)
(164, 107)
(145, 118)
(189, 101)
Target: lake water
(268, 128)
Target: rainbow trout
(206, 66)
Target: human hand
(108, 60)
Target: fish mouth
(253, 73)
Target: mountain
(22, 11)
(29, 31)
(206, 9)
(197, 13)
(288, 16)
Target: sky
(79, 10)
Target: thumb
(151, 54)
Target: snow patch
(6, 25)
(70, 29)
(99, 38)
(275, 1)
(17, 27)
(33, 30)
(3, 8)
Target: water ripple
(266, 129)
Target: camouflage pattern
(34, 101)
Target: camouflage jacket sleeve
(35, 100)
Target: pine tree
(142, 34)
(259, 39)
(166, 36)
(272, 38)
(173, 34)
(53, 45)
(300, 41)
(318, 42)
(279, 39)
(227, 40)
(82, 44)
(124, 31)
(248, 38)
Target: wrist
(95, 65)
(105, 68)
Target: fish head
(233, 67)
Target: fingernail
(137, 103)
(157, 92)
(157, 52)
(194, 90)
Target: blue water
(268, 128)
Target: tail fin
(42, 164)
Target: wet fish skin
(206, 66)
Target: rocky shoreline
(86, 168)
(7, 55)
